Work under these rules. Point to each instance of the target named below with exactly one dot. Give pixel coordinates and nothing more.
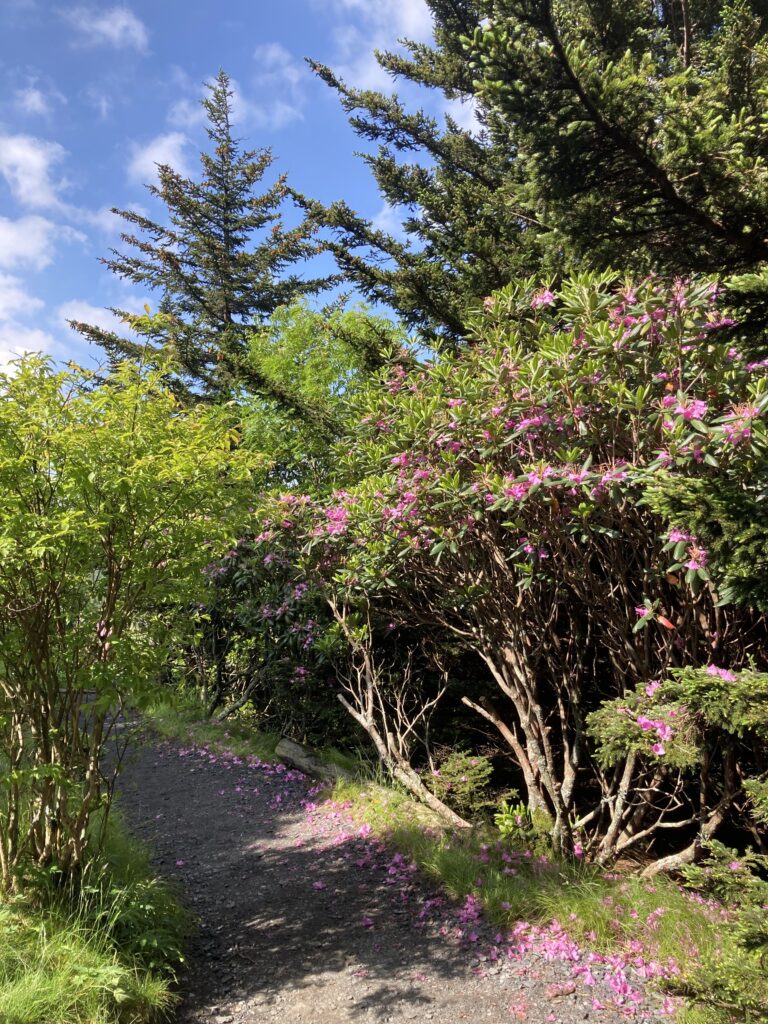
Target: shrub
(503, 497)
(111, 503)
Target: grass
(185, 722)
(605, 911)
(105, 955)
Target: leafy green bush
(462, 780)
(111, 503)
(103, 950)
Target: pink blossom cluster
(663, 731)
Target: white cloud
(99, 100)
(26, 163)
(390, 220)
(87, 313)
(16, 337)
(16, 340)
(169, 148)
(14, 299)
(32, 101)
(114, 26)
(37, 101)
(366, 27)
(103, 219)
(274, 98)
(28, 241)
(397, 18)
(464, 113)
(280, 76)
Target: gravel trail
(306, 918)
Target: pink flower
(675, 536)
(698, 557)
(652, 687)
(319, 884)
(735, 865)
(641, 611)
(658, 749)
(723, 673)
(694, 410)
(578, 850)
(542, 298)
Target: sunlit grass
(104, 953)
(186, 723)
(604, 911)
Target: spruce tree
(466, 227)
(639, 127)
(626, 134)
(218, 262)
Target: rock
(306, 760)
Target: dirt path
(307, 919)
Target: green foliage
(628, 134)
(182, 717)
(638, 128)
(326, 355)
(524, 828)
(217, 263)
(462, 781)
(111, 503)
(105, 952)
(732, 979)
(466, 228)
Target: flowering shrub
(262, 644)
(503, 496)
(705, 732)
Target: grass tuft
(104, 954)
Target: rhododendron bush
(511, 498)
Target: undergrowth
(105, 953)
(184, 721)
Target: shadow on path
(304, 918)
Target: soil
(305, 917)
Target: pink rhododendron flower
(675, 536)
(698, 557)
(543, 298)
(723, 673)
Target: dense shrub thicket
(508, 503)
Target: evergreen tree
(218, 264)
(628, 134)
(466, 230)
(639, 127)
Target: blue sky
(93, 94)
